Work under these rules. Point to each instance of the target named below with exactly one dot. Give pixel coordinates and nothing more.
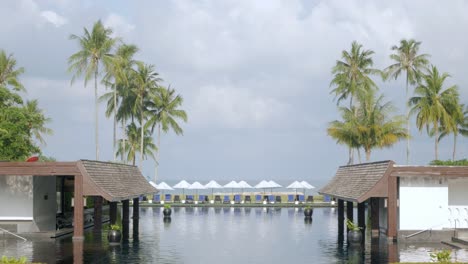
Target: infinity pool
(225, 235)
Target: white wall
(16, 198)
(45, 202)
(423, 203)
(458, 202)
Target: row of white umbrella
(232, 185)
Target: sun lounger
(278, 199)
(140, 198)
(290, 198)
(300, 198)
(168, 198)
(226, 199)
(176, 199)
(310, 199)
(156, 198)
(237, 198)
(258, 198)
(271, 198)
(247, 199)
(218, 199)
(201, 198)
(189, 199)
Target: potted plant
(114, 234)
(167, 210)
(308, 212)
(354, 232)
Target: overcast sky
(254, 76)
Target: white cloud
(54, 18)
(119, 24)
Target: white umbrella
(243, 185)
(274, 185)
(263, 185)
(182, 185)
(232, 185)
(307, 186)
(153, 184)
(164, 186)
(295, 185)
(213, 185)
(196, 186)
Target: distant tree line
(367, 123)
(22, 122)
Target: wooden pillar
(136, 217)
(113, 212)
(97, 213)
(340, 217)
(392, 216)
(78, 251)
(362, 216)
(125, 219)
(78, 208)
(374, 213)
(349, 212)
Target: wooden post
(113, 212)
(97, 214)
(340, 218)
(78, 251)
(392, 216)
(362, 218)
(374, 213)
(136, 217)
(349, 212)
(125, 219)
(78, 208)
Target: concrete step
(460, 240)
(454, 244)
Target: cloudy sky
(254, 76)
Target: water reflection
(263, 235)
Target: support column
(362, 218)
(125, 219)
(392, 209)
(113, 212)
(136, 217)
(97, 214)
(374, 214)
(78, 251)
(78, 208)
(349, 212)
(340, 218)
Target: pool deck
(278, 205)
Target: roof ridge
(108, 162)
(366, 163)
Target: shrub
(442, 256)
(352, 226)
(115, 227)
(167, 206)
(13, 260)
(463, 162)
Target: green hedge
(463, 162)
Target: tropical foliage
(463, 162)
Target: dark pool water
(224, 235)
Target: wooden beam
(38, 168)
(136, 218)
(444, 171)
(349, 212)
(125, 219)
(97, 214)
(113, 212)
(78, 208)
(374, 213)
(340, 218)
(392, 216)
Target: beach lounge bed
(310, 199)
(300, 198)
(201, 198)
(290, 198)
(237, 198)
(248, 199)
(168, 198)
(176, 199)
(189, 199)
(278, 199)
(226, 199)
(271, 198)
(258, 198)
(156, 198)
(140, 198)
(217, 199)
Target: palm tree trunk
(436, 128)
(407, 122)
(124, 141)
(96, 111)
(368, 152)
(142, 133)
(359, 155)
(350, 159)
(454, 146)
(157, 153)
(115, 124)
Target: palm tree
(407, 60)
(145, 85)
(37, 121)
(9, 74)
(95, 49)
(351, 75)
(460, 126)
(433, 103)
(118, 78)
(164, 112)
(131, 146)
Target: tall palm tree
(352, 73)
(131, 146)
(165, 111)
(433, 103)
(37, 121)
(407, 60)
(145, 85)
(9, 74)
(118, 78)
(95, 51)
(460, 126)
